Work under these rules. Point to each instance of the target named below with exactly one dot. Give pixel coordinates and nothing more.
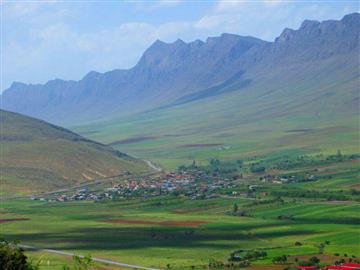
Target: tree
(12, 257)
(84, 263)
(280, 259)
(193, 165)
(314, 260)
(257, 168)
(80, 263)
(321, 248)
(235, 208)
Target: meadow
(290, 114)
(172, 232)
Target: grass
(287, 117)
(37, 156)
(293, 115)
(82, 228)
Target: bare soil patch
(328, 258)
(3, 220)
(266, 267)
(186, 223)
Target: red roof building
(344, 266)
(352, 265)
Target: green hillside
(308, 107)
(37, 156)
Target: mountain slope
(302, 96)
(171, 73)
(298, 109)
(164, 73)
(247, 97)
(36, 155)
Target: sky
(44, 40)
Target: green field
(253, 126)
(185, 233)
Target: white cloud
(210, 21)
(17, 9)
(170, 2)
(41, 41)
(70, 55)
(273, 2)
(228, 6)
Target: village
(279, 179)
(193, 185)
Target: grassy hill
(296, 95)
(309, 107)
(37, 156)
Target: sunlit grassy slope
(300, 108)
(38, 156)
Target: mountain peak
(352, 19)
(168, 71)
(92, 75)
(179, 41)
(158, 43)
(286, 35)
(309, 24)
(16, 85)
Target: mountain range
(169, 74)
(228, 96)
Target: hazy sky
(43, 40)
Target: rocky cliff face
(169, 72)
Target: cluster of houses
(80, 195)
(276, 179)
(192, 184)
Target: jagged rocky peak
(352, 19)
(16, 85)
(286, 35)
(309, 25)
(197, 43)
(179, 65)
(92, 75)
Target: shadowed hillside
(301, 95)
(36, 155)
(169, 73)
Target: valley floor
(173, 231)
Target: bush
(12, 257)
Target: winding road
(152, 165)
(106, 261)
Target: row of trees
(328, 195)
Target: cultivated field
(177, 233)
